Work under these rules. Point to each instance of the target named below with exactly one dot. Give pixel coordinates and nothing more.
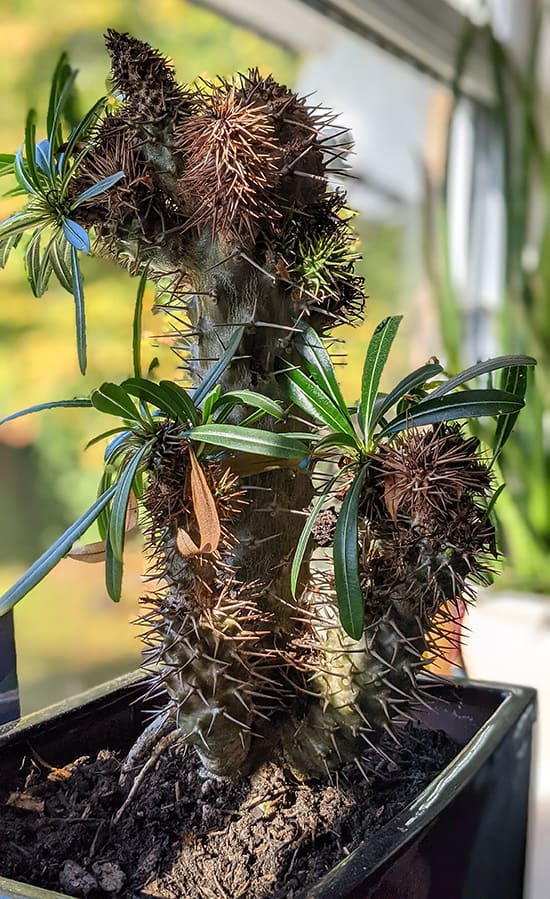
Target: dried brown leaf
(186, 546)
(204, 506)
(88, 552)
(95, 552)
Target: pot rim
(517, 708)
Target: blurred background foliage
(519, 322)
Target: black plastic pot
(9, 694)
(463, 837)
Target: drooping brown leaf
(88, 552)
(204, 506)
(186, 546)
(95, 552)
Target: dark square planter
(463, 837)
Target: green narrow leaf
(7, 164)
(375, 360)
(149, 392)
(42, 156)
(181, 403)
(306, 532)
(21, 173)
(56, 404)
(249, 420)
(209, 403)
(63, 93)
(113, 571)
(16, 191)
(113, 399)
(300, 399)
(465, 404)
(104, 435)
(117, 523)
(30, 150)
(6, 246)
(104, 516)
(481, 368)
(245, 440)
(39, 569)
(20, 222)
(60, 258)
(137, 323)
(407, 385)
(346, 561)
(117, 446)
(38, 266)
(32, 261)
(336, 441)
(77, 236)
(513, 380)
(214, 374)
(139, 485)
(248, 398)
(80, 312)
(492, 503)
(79, 133)
(97, 189)
(61, 75)
(166, 396)
(44, 272)
(309, 397)
(320, 367)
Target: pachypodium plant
(302, 552)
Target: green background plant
(522, 318)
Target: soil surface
(187, 837)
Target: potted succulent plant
(305, 556)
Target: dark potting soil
(184, 837)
